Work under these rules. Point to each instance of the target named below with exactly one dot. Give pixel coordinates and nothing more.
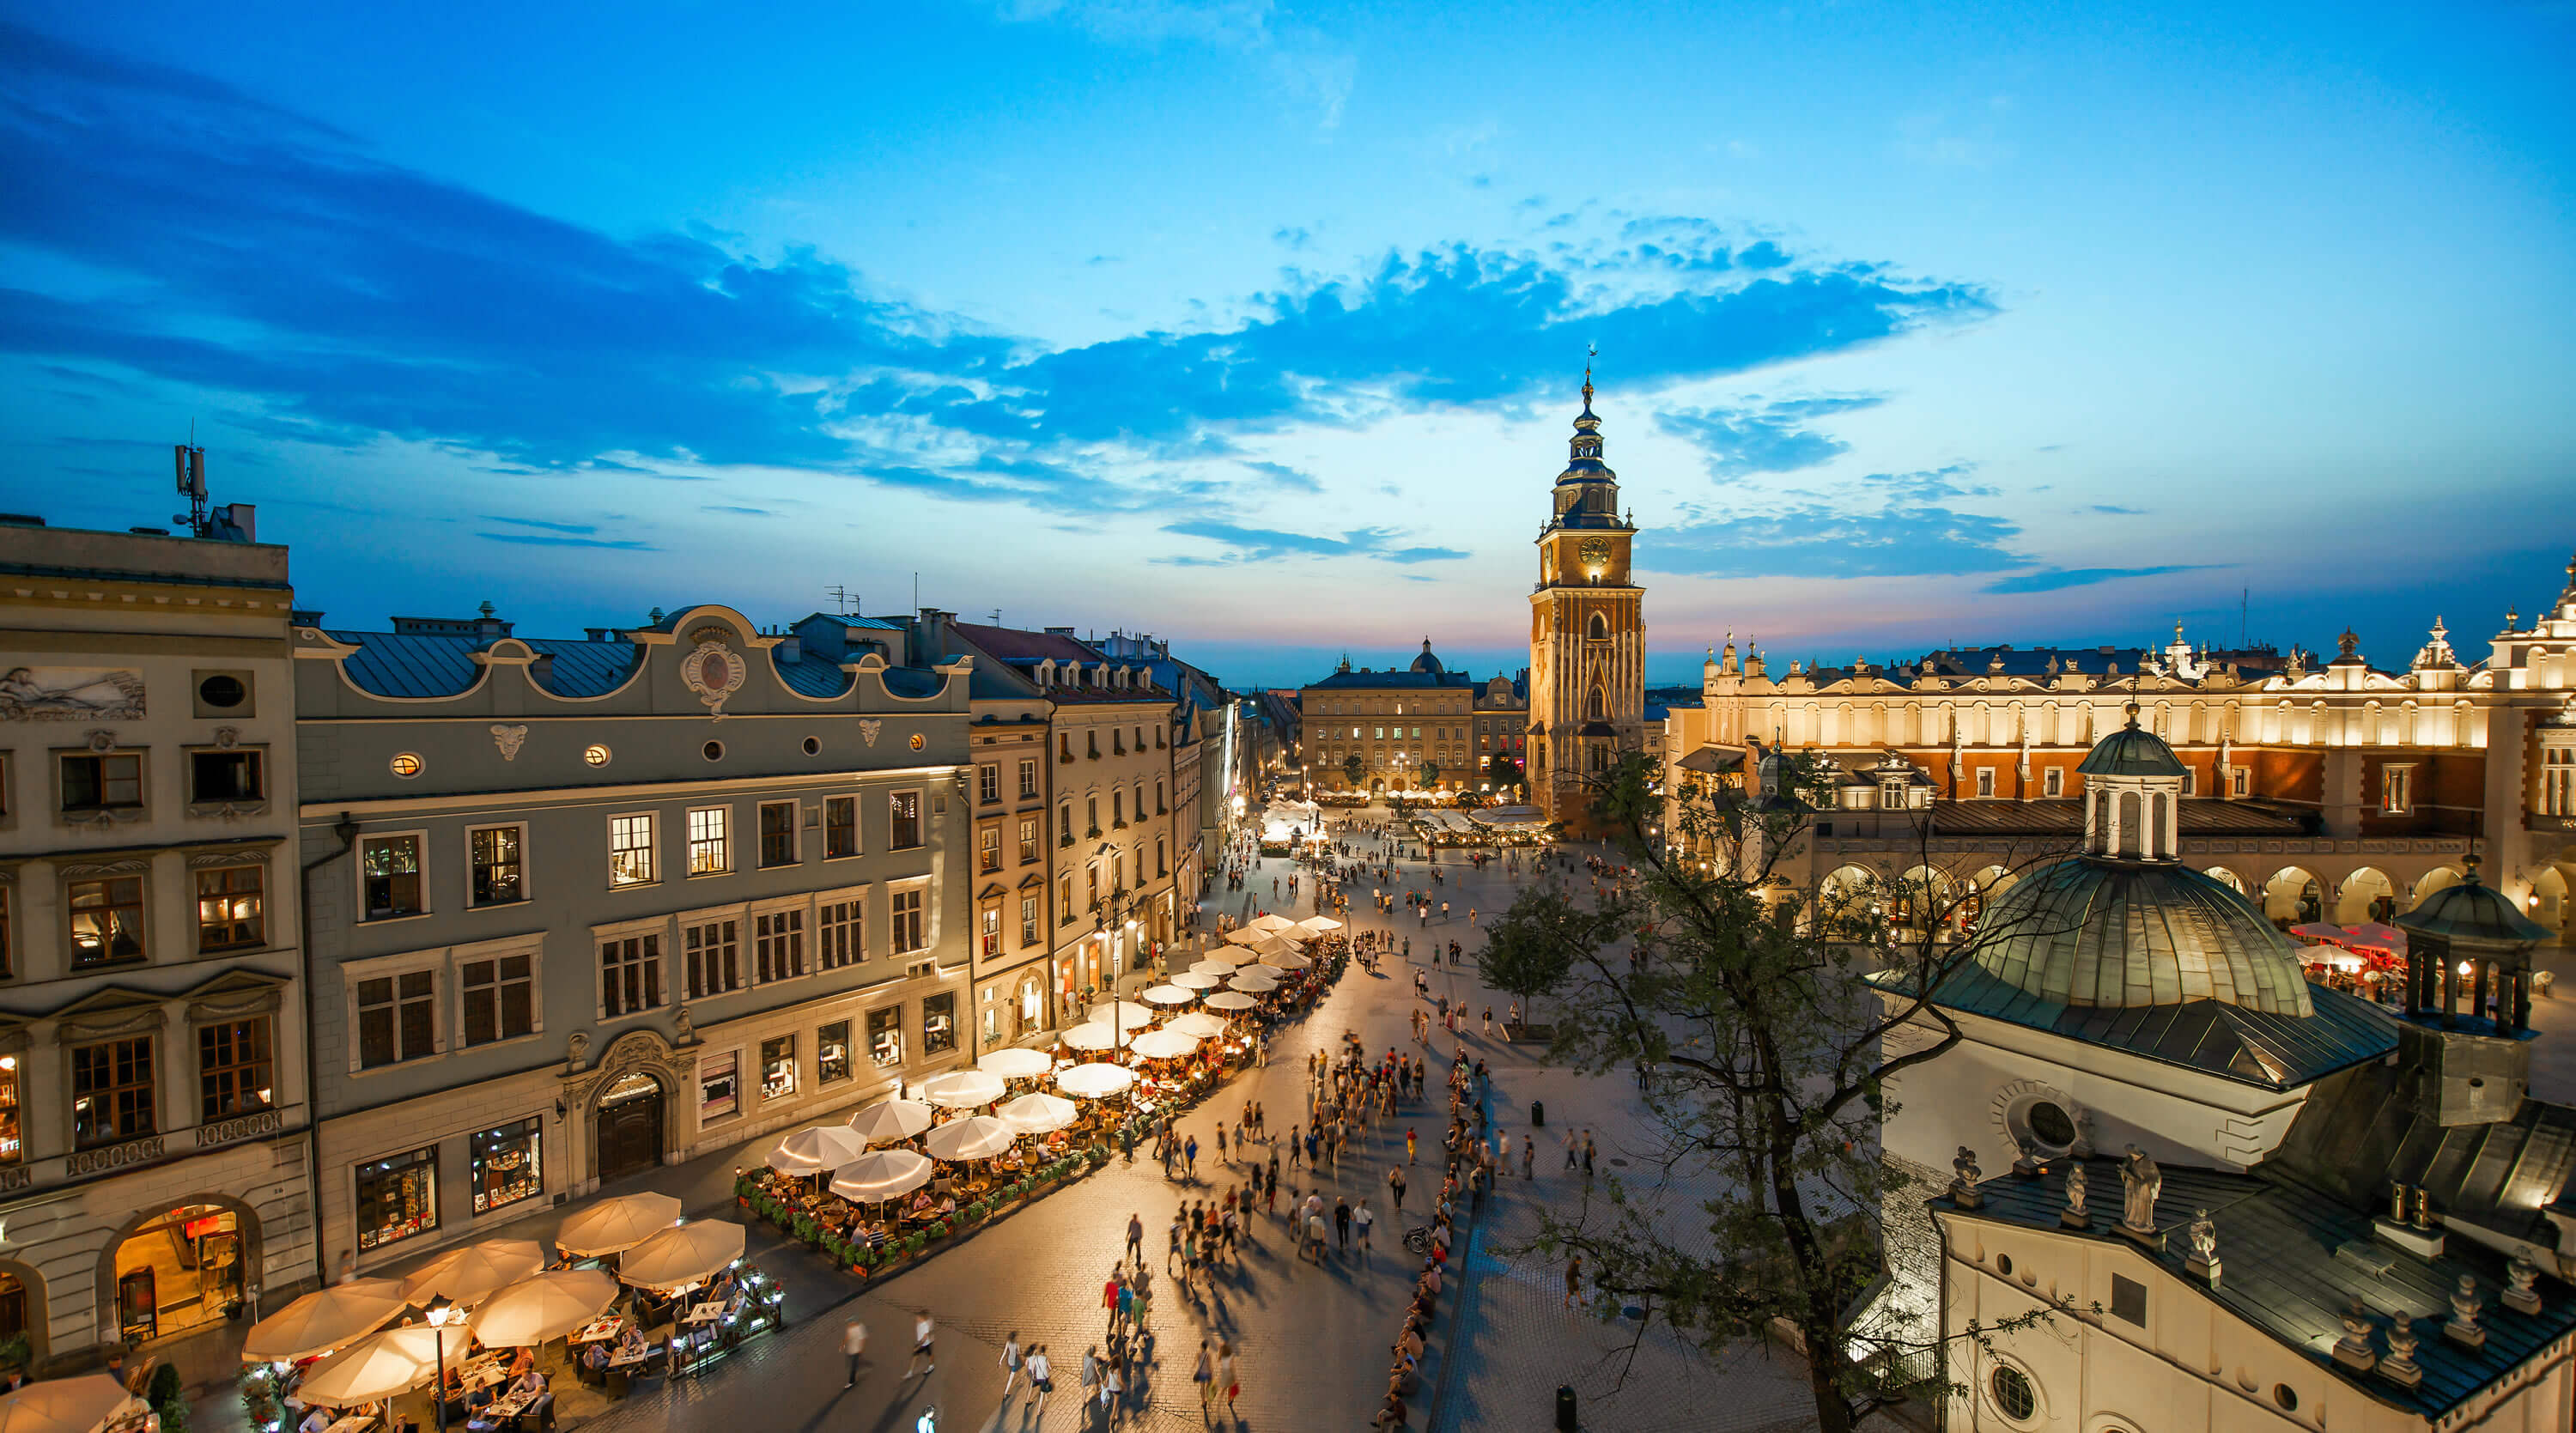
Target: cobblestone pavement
(1312, 1341)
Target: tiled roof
(870, 624)
(2293, 1260)
(392, 665)
(2275, 1052)
(1011, 644)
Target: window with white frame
(2558, 781)
(496, 865)
(710, 840)
(988, 850)
(777, 833)
(840, 827)
(1985, 781)
(390, 879)
(711, 956)
(2240, 780)
(1028, 920)
(840, 931)
(397, 1015)
(630, 974)
(1028, 779)
(1028, 840)
(903, 820)
(905, 909)
(778, 944)
(988, 783)
(498, 993)
(630, 850)
(990, 934)
(2397, 788)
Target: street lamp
(439, 1319)
(1107, 913)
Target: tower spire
(1591, 351)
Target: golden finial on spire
(1590, 352)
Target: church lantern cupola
(2132, 796)
(2469, 940)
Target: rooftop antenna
(843, 602)
(190, 459)
(916, 591)
(997, 616)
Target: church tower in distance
(1587, 691)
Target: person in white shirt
(921, 1354)
(315, 1421)
(1041, 1379)
(1010, 1366)
(854, 1345)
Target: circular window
(813, 746)
(2014, 1396)
(220, 690)
(406, 764)
(917, 742)
(2050, 1125)
(712, 751)
(2286, 1396)
(2003, 1264)
(595, 754)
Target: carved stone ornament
(714, 671)
(2465, 1308)
(2073, 1215)
(2203, 1258)
(2140, 1183)
(2400, 1367)
(2521, 1288)
(576, 1052)
(1963, 1187)
(509, 738)
(2353, 1350)
(869, 728)
(684, 1031)
(635, 1052)
(227, 737)
(101, 740)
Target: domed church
(2251, 1202)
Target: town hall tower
(1587, 690)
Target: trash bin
(1538, 1112)
(1565, 1409)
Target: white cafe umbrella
(1288, 960)
(1256, 981)
(1169, 995)
(1165, 1044)
(1127, 1011)
(882, 1174)
(974, 1137)
(1320, 924)
(378, 1366)
(1198, 1023)
(1092, 1082)
(1016, 1063)
(1037, 1114)
(812, 1151)
(1276, 945)
(1201, 980)
(889, 1120)
(682, 1256)
(962, 1089)
(1231, 1000)
(1248, 935)
(1271, 922)
(67, 1405)
(324, 1320)
(544, 1306)
(470, 1275)
(1218, 962)
(614, 1224)
(1096, 1037)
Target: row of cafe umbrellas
(2369, 935)
(68, 1405)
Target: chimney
(245, 517)
(1064, 632)
(791, 649)
(930, 629)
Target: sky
(1258, 326)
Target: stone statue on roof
(2140, 1183)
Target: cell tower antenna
(190, 460)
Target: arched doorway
(2292, 897)
(629, 1126)
(2367, 895)
(180, 1269)
(2549, 900)
(1028, 1008)
(22, 1309)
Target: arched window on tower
(1596, 707)
(1599, 630)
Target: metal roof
(2199, 816)
(2131, 751)
(2359, 1130)
(2087, 931)
(2285, 1254)
(392, 664)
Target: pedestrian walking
(1296, 1145)
(854, 1345)
(1489, 1022)
(1136, 1239)
(1190, 1157)
(1572, 1148)
(1174, 1252)
(922, 1333)
(1395, 1183)
(1342, 1221)
(1220, 1141)
(1361, 1219)
(1204, 1375)
(1041, 1379)
(1226, 1377)
(1529, 1153)
(1573, 1279)
(1011, 1362)
(1587, 1154)
(1408, 1146)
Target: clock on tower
(1587, 634)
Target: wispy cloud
(577, 528)
(2115, 510)
(540, 540)
(1831, 539)
(1259, 544)
(1771, 437)
(2057, 579)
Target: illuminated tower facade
(1587, 633)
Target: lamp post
(439, 1319)
(1106, 915)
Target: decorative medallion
(509, 739)
(868, 729)
(102, 741)
(918, 742)
(227, 737)
(714, 671)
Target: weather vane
(1590, 352)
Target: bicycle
(1418, 1239)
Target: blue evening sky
(1257, 325)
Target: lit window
(2396, 789)
(229, 907)
(710, 848)
(389, 873)
(499, 875)
(904, 820)
(406, 764)
(630, 850)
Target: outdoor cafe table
(607, 1327)
(706, 1313)
(354, 1423)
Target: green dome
(2131, 751)
(2126, 935)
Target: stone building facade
(1409, 729)
(154, 1104)
(585, 907)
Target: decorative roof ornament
(1963, 1184)
(2353, 1350)
(2521, 1289)
(2203, 1234)
(2462, 1328)
(2400, 1367)
(2348, 646)
(2073, 1215)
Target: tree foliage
(1751, 1010)
(1354, 768)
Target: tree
(1354, 768)
(1752, 1014)
(1430, 774)
(1531, 947)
